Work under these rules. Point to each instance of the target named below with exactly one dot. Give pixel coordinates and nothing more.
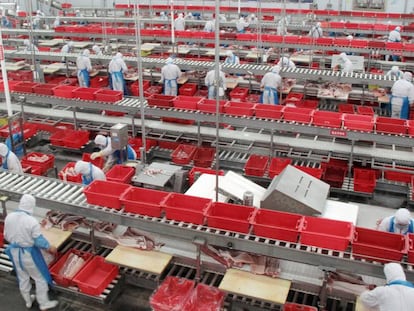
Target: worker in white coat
(84, 66)
(281, 29)
(170, 73)
(23, 233)
(10, 161)
(401, 222)
(56, 22)
(97, 50)
(231, 58)
(394, 36)
(346, 64)
(395, 72)
(163, 16)
(89, 172)
(316, 31)
(179, 22)
(29, 47)
(270, 84)
(210, 25)
(210, 81)
(111, 155)
(402, 96)
(397, 294)
(116, 70)
(67, 48)
(241, 25)
(286, 62)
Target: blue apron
(4, 165)
(17, 138)
(130, 155)
(119, 77)
(169, 84)
(401, 282)
(85, 74)
(86, 180)
(405, 109)
(270, 90)
(392, 226)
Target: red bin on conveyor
(204, 298)
(41, 160)
(105, 193)
(143, 201)
(120, 173)
(171, 295)
(256, 165)
(181, 207)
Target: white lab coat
(285, 62)
(89, 171)
(13, 163)
(234, 59)
(116, 68)
(210, 26)
(83, 63)
(401, 90)
(394, 36)
(281, 28)
(108, 153)
(179, 23)
(209, 81)
(56, 22)
(392, 297)
(241, 24)
(315, 32)
(385, 226)
(347, 66)
(22, 229)
(66, 49)
(97, 50)
(169, 75)
(398, 74)
(270, 80)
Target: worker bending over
(112, 156)
(346, 64)
(10, 161)
(401, 222)
(84, 66)
(285, 62)
(231, 58)
(116, 70)
(97, 50)
(270, 84)
(396, 295)
(395, 72)
(402, 96)
(170, 73)
(179, 22)
(210, 25)
(394, 36)
(89, 172)
(22, 231)
(211, 84)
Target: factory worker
(241, 25)
(346, 64)
(401, 222)
(170, 72)
(89, 172)
(316, 31)
(211, 85)
(10, 161)
(29, 47)
(56, 22)
(395, 72)
(79, 14)
(397, 294)
(84, 66)
(112, 156)
(67, 48)
(231, 58)
(281, 29)
(252, 19)
(23, 233)
(179, 22)
(116, 69)
(163, 16)
(189, 16)
(210, 26)
(285, 62)
(5, 22)
(394, 36)
(36, 22)
(270, 84)
(97, 50)
(402, 96)
(40, 13)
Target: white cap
(86, 52)
(100, 140)
(229, 53)
(318, 24)
(408, 76)
(3, 150)
(82, 167)
(118, 55)
(395, 69)
(169, 60)
(393, 272)
(27, 203)
(70, 43)
(398, 28)
(349, 37)
(402, 217)
(180, 15)
(343, 56)
(96, 48)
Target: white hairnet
(27, 203)
(393, 272)
(162, 13)
(77, 11)
(180, 15)
(276, 69)
(96, 48)
(82, 167)
(343, 56)
(349, 37)
(169, 60)
(398, 28)
(70, 43)
(86, 52)
(318, 24)
(408, 76)
(118, 55)
(402, 217)
(26, 42)
(241, 18)
(3, 149)
(395, 69)
(100, 140)
(229, 53)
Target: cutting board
(256, 286)
(55, 236)
(150, 261)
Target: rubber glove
(95, 155)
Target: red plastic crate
(399, 176)
(171, 294)
(327, 118)
(230, 217)
(269, 111)
(391, 125)
(12, 85)
(277, 165)
(134, 87)
(378, 245)
(256, 165)
(294, 98)
(65, 91)
(25, 87)
(364, 180)
(313, 171)
(301, 115)
(410, 248)
(136, 144)
(105, 193)
(277, 225)
(239, 108)
(160, 100)
(99, 162)
(62, 176)
(204, 298)
(76, 139)
(290, 306)
(120, 173)
(181, 207)
(239, 94)
(365, 110)
(44, 89)
(188, 89)
(41, 160)
(334, 175)
(200, 170)
(326, 233)
(346, 108)
(110, 96)
(58, 265)
(29, 130)
(183, 154)
(308, 103)
(143, 201)
(209, 105)
(203, 157)
(95, 276)
(186, 102)
(358, 122)
(86, 93)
